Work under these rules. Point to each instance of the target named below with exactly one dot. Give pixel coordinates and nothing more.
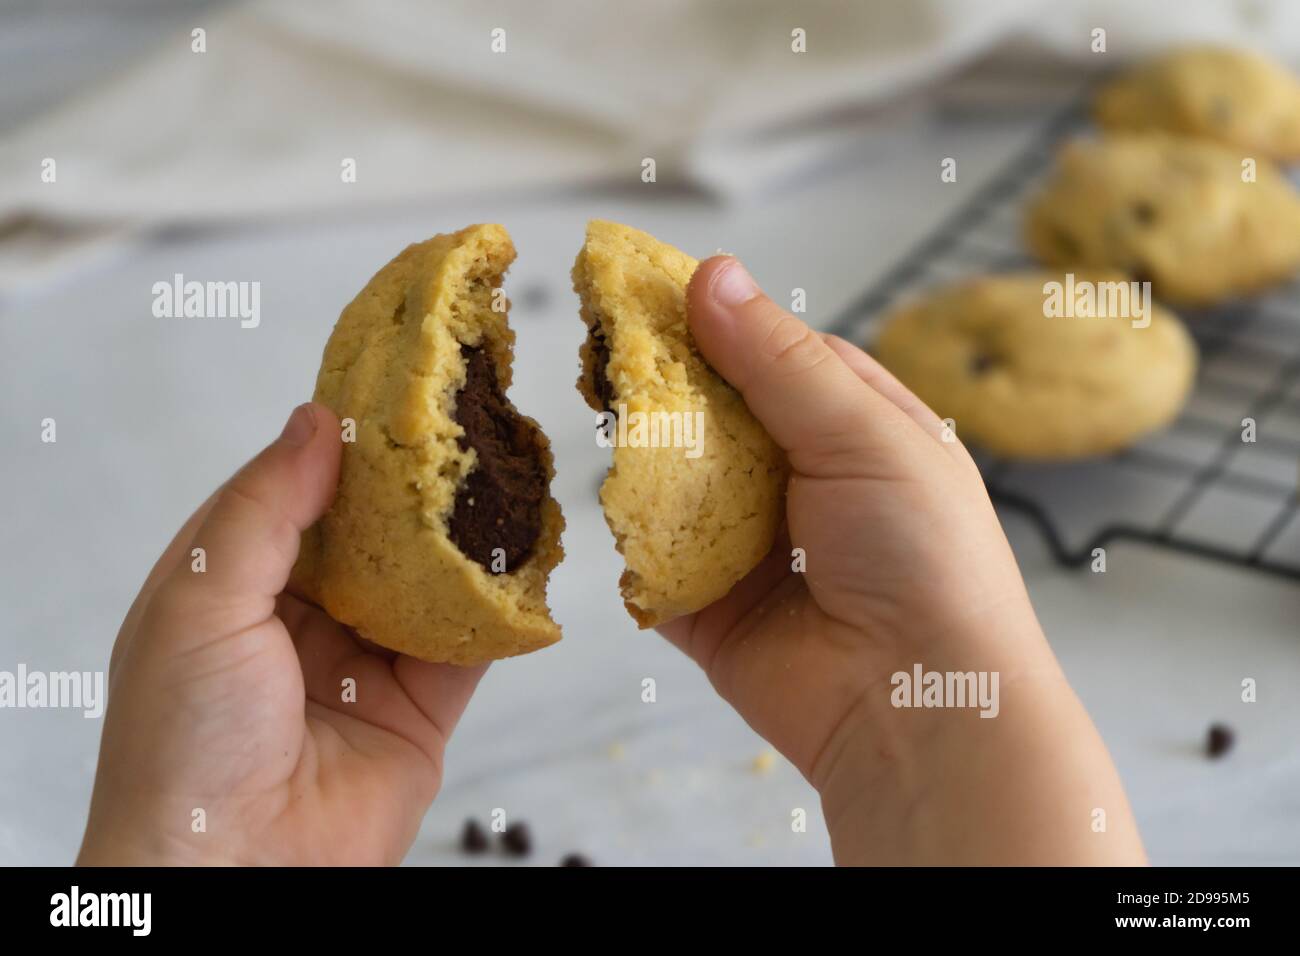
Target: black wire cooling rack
(1196, 487)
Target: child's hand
(905, 564)
(227, 737)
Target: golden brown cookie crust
(688, 529)
(1023, 385)
(1173, 210)
(1235, 97)
(381, 559)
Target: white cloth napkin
(261, 123)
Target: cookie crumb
(764, 762)
(576, 859)
(1219, 740)
(617, 751)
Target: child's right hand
(906, 563)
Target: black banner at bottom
(330, 906)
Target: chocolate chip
(518, 839)
(1144, 213)
(981, 363)
(1066, 243)
(576, 859)
(1219, 740)
(473, 838)
(499, 505)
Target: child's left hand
(227, 737)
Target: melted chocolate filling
(500, 503)
(600, 383)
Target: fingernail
(733, 285)
(300, 426)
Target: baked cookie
(1171, 210)
(689, 521)
(1029, 375)
(443, 532)
(1238, 98)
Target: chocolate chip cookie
(1235, 97)
(1180, 212)
(1026, 379)
(690, 517)
(443, 532)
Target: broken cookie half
(443, 533)
(696, 490)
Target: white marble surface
(153, 413)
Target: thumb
(251, 532)
(812, 404)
